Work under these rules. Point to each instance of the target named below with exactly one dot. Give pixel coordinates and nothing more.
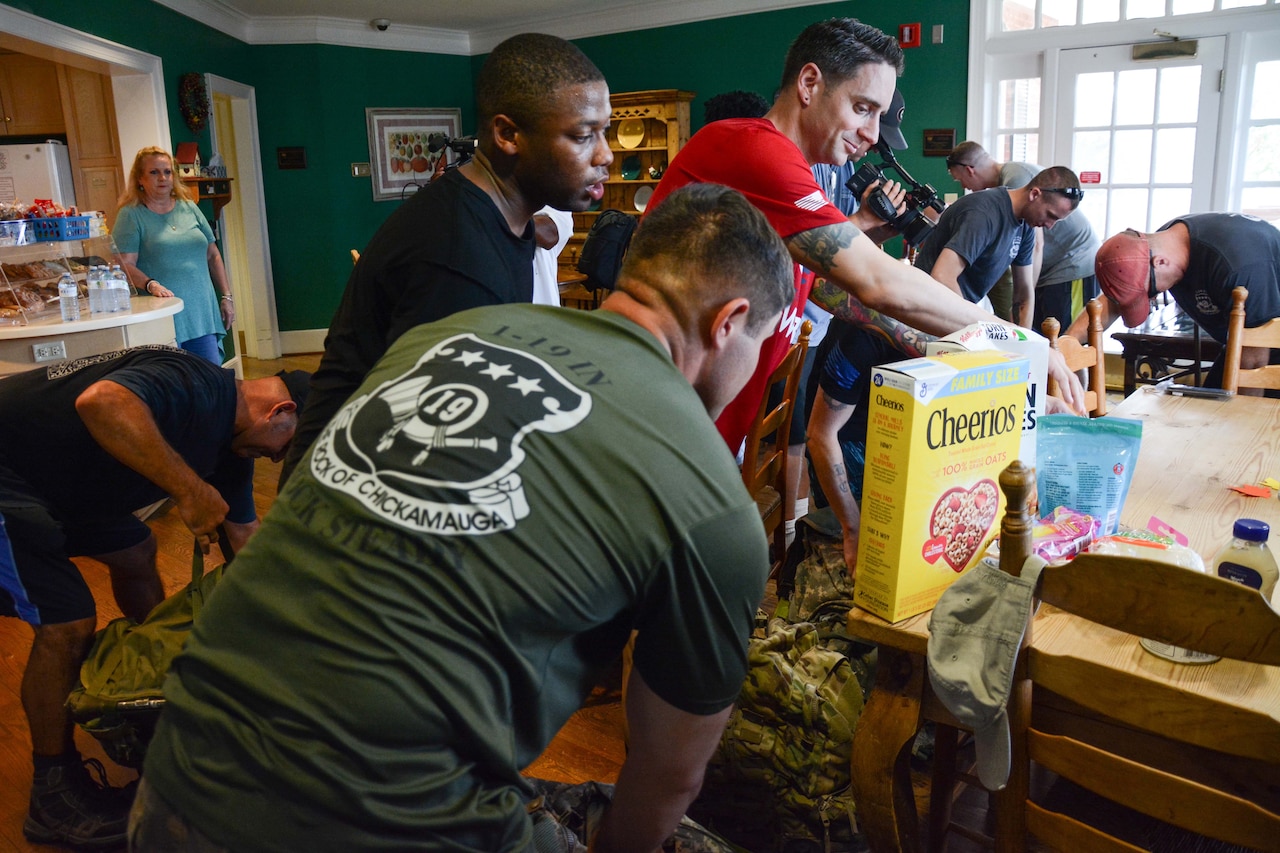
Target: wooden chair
(1081, 357)
(764, 470)
(1238, 337)
(1166, 753)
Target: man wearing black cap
(837, 82)
(1199, 259)
(834, 179)
(84, 444)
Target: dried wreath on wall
(193, 100)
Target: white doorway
(242, 222)
(1142, 134)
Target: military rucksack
(120, 694)
(779, 779)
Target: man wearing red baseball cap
(1199, 259)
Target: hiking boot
(68, 806)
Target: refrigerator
(32, 171)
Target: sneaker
(71, 807)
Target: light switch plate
(359, 170)
(937, 33)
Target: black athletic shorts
(38, 581)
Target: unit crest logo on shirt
(438, 448)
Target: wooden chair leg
(942, 785)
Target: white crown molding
(358, 33)
(629, 17)
(213, 13)
(350, 33)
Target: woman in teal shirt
(168, 249)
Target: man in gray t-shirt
(981, 234)
(1063, 265)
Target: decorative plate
(642, 198)
(631, 133)
(631, 168)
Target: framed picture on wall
(400, 158)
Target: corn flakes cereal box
(997, 336)
(939, 432)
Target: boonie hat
(974, 635)
(1123, 267)
(891, 123)
(298, 382)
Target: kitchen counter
(150, 322)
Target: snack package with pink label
(1064, 533)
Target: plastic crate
(54, 228)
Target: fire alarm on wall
(909, 35)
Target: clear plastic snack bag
(1086, 464)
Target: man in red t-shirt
(839, 78)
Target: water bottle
(119, 287)
(97, 291)
(68, 298)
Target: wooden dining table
(1193, 451)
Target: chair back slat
(1174, 605)
(1235, 377)
(764, 465)
(1080, 357)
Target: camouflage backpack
(779, 780)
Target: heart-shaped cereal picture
(959, 524)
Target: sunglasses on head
(1073, 193)
(952, 162)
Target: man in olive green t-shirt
(466, 549)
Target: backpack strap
(197, 556)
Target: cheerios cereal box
(997, 336)
(939, 431)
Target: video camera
(463, 146)
(912, 224)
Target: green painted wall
(315, 96)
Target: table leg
(882, 756)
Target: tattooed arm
(825, 421)
(847, 259)
(842, 306)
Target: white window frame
(996, 55)
(1259, 47)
